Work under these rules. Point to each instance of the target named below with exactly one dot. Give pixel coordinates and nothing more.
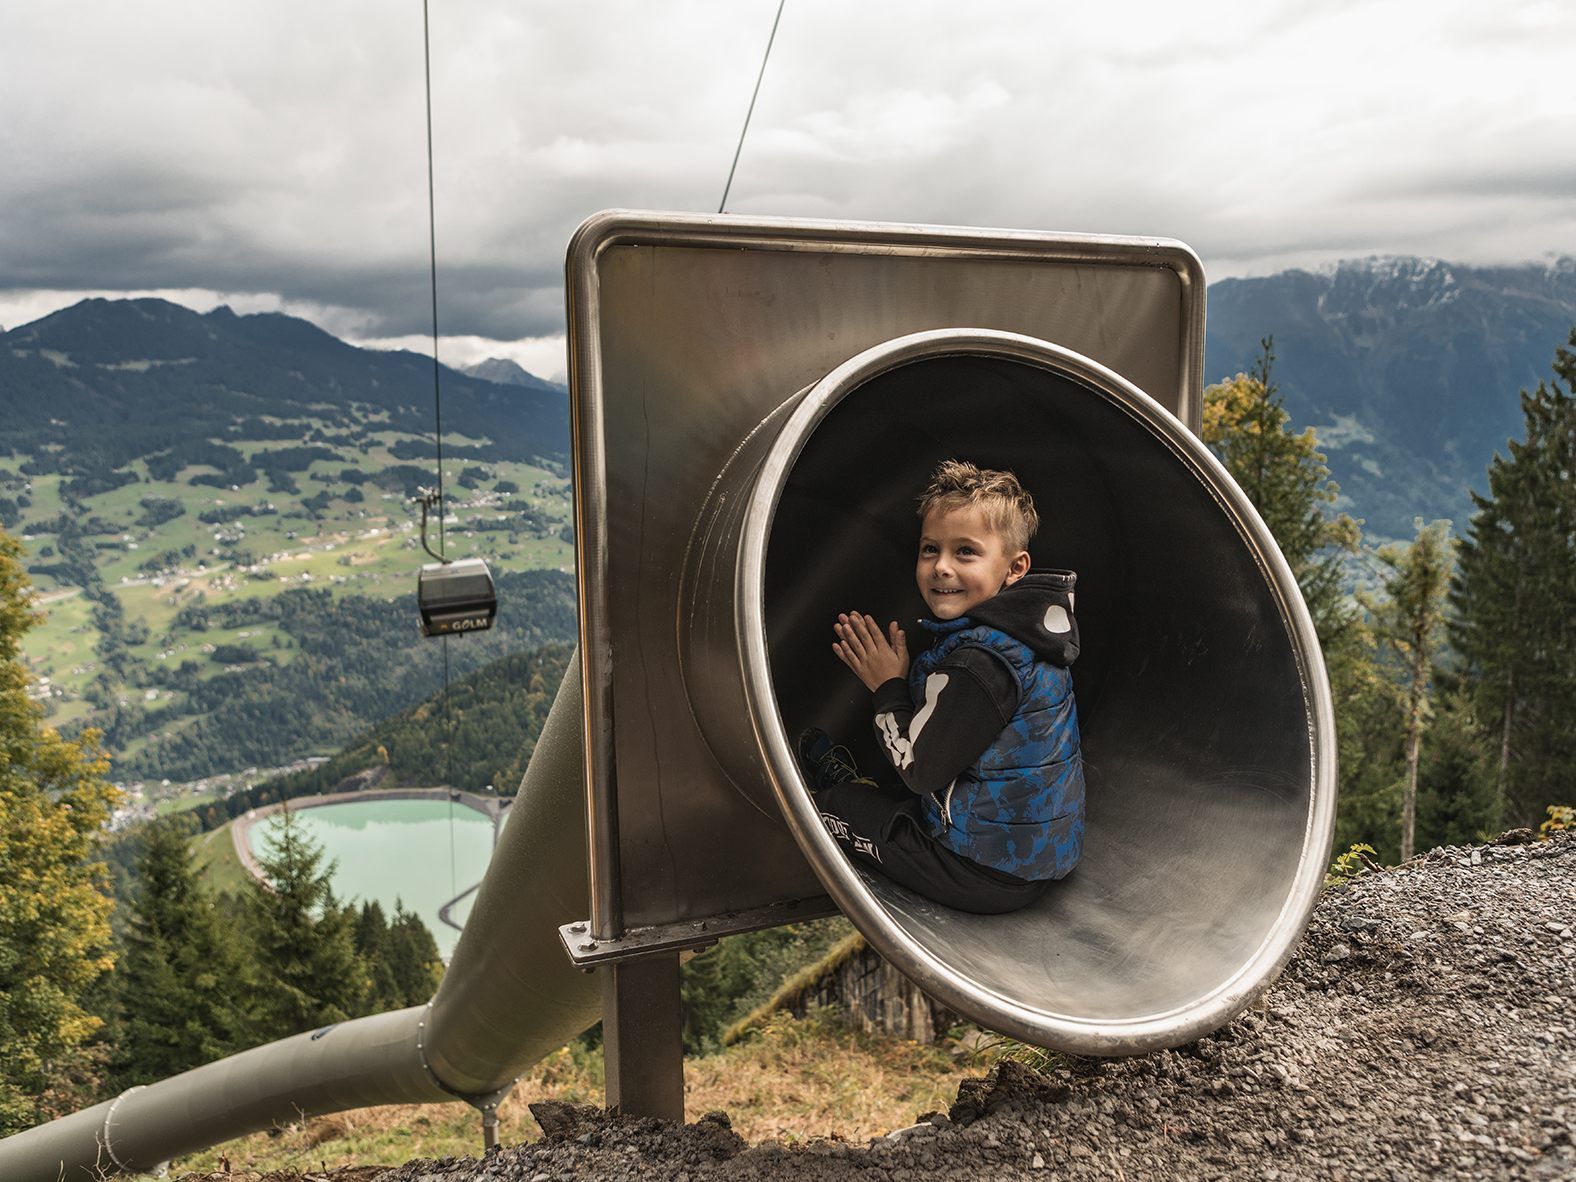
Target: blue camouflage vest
(1020, 808)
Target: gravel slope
(1426, 1029)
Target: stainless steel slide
(1208, 732)
(509, 997)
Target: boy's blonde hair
(1007, 505)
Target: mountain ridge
(1407, 368)
(507, 373)
(93, 387)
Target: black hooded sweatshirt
(981, 693)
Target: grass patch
(217, 863)
(792, 1080)
(168, 805)
(64, 712)
(45, 496)
(62, 647)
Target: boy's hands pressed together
(873, 656)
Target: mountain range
(1408, 368)
(505, 373)
(96, 386)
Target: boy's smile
(963, 561)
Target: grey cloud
(254, 147)
(1553, 180)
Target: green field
(169, 805)
(217, 863)
(337, 530)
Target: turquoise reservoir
(391, 850)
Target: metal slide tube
(508, 998)
(368, 1061)
(511, 995)
(1209, 738)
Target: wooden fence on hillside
(855, 981)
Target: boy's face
(963, 562)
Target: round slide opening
(1207, 734)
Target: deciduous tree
(1283, 473)
(1411, 620)
(54, 904)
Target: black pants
(880, 827)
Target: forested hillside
(480, 733)
(1454, 672)
(217, 514)
(350, 661)
(173, 475)
(1405, 367)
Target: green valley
(225, 589)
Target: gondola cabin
(456, 597)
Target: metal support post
(643, 1036)
(487, 1104)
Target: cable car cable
(723, 204)
(453, 596)
(432, 270)
(437, 414)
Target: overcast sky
(271, 154)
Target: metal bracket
(109, 1118)
(485, 1103)
(586, 951)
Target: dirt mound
(344, 1174)
(581, 1142)
(1426, 1029)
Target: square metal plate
(684, 333)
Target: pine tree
(184, 977)
(308, 972)
(1411, 620)
(1456, 803)
(372, 937)
(54, 904)
(1283, 473)
(1369, 717)
(1513, 594)
(411, 955)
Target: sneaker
(824, 763)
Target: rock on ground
(1426, 1029)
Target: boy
(982, 728)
